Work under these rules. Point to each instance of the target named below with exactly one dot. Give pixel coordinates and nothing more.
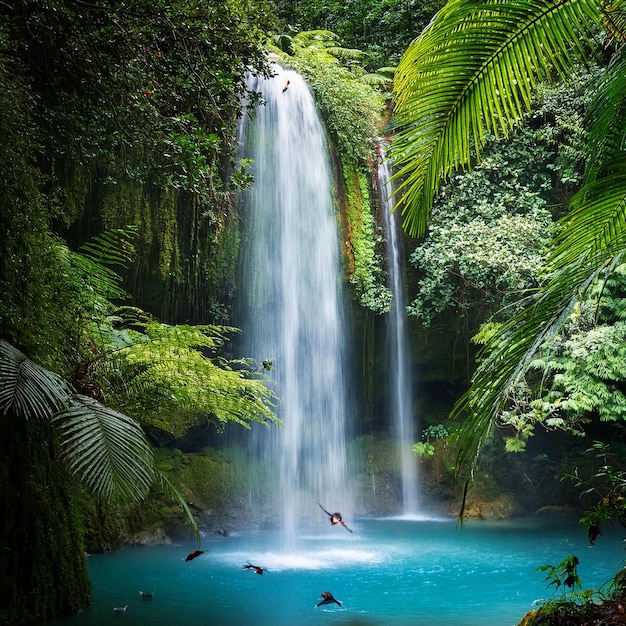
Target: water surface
(389, 571)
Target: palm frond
(614, 14)
(470, 73)
(107, 450)
(596, 225)
(607, 117)
(26, 389)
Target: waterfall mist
(291, 305)
(398, 370)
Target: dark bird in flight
(256, 568)
(328, 598)
(335, 518)
(146, 596)
(194, 555)
(286, 86)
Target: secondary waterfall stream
(398, 372)
(292, 308)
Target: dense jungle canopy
(120, 236)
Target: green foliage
(384, 28)
(91, 432)
(578, 375)
(104, 448)
(443, 119)
(565, 573)
(491, 226)
(434, 432)
(36, 311)
(351, 109)
(107, 450)
(424, 449)
(132, 119)
(156, 75)
(173, 376)
(28, 390)
(500, 52)
(604, 485)
(578, 605)
(366, 264)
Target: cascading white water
(291, 301)
(400, 390)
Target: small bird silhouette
(256, 568)
(194, 555)
(286, 86)
(120, 610)
(328, 599)
(146, 596)
(335, 518)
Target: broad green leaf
(107, 450)
(26, 389)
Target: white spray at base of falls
(398, 371)
(292, 304)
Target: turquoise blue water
(389, 571)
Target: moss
(43, 565)
(363, 239)
(378, 478)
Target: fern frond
(345, 53)
(377, 80)
(112, 247)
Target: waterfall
(292, 308)
(399, 383)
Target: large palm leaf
(472, 72)
(607, 117)
(106, 449)
(26, 389)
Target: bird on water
(328, 599)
